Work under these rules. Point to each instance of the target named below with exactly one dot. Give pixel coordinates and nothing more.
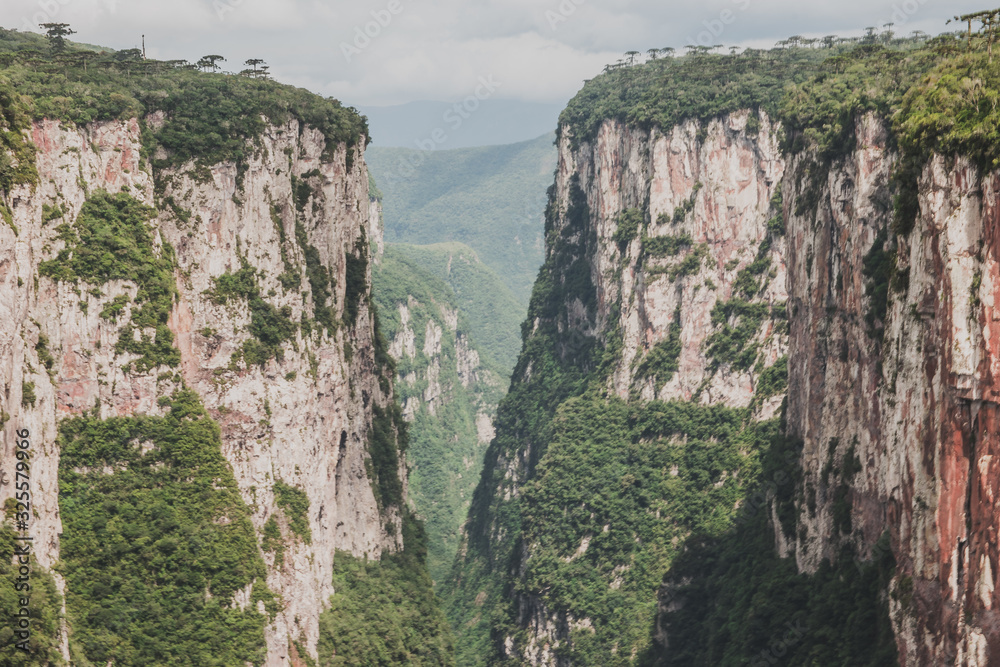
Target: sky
(387, 52)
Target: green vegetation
(660, 363)
(44, 606)
(44, 356)
(209, 118)
(28, 396)
(452, 273)
(877, 268)
(736, 603)
(271, 541)
(384, 612)
(445, 450)
(270, 327)
(666, 246)
(491, 199)
(111, 240)
(387, 441)
(737, 323)
(773, 380)
(685, 206)
(356, 280)
(156, 542)
(690, 265)
(557, 362)
(294, 502)
(701, 86)
(618, 488)
(320, 281)
(630, 222)
(17, 154)
(752, 279)
(744, 604)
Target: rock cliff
(689, 274)
(664, 282)
(892, 364)
(298, 419)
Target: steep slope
(210, 403)
(645, 434)
(924, 279)
(489, 198)
(448, 390)
(644, 394)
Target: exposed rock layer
(920, 410)
(304, 419)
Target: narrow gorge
(752, 421)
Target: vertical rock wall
(303, 419)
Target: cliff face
(302, 418)
(918, 411)
(664, 281)
(707, 191)
(890, 378)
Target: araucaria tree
(57, 34)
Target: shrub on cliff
(157, 541)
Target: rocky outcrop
(918, 411)
(680, 236)
(712, 187)
(303, 418)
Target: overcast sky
(537, 50)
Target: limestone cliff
(302, 419)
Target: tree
(990, 22)
(631, 55)
(254, 62)
(210, 63)
(128, 55)
(56, 33)
(84, 57)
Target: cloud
(542, 50)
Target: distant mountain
(490, 198)
(449, 125)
